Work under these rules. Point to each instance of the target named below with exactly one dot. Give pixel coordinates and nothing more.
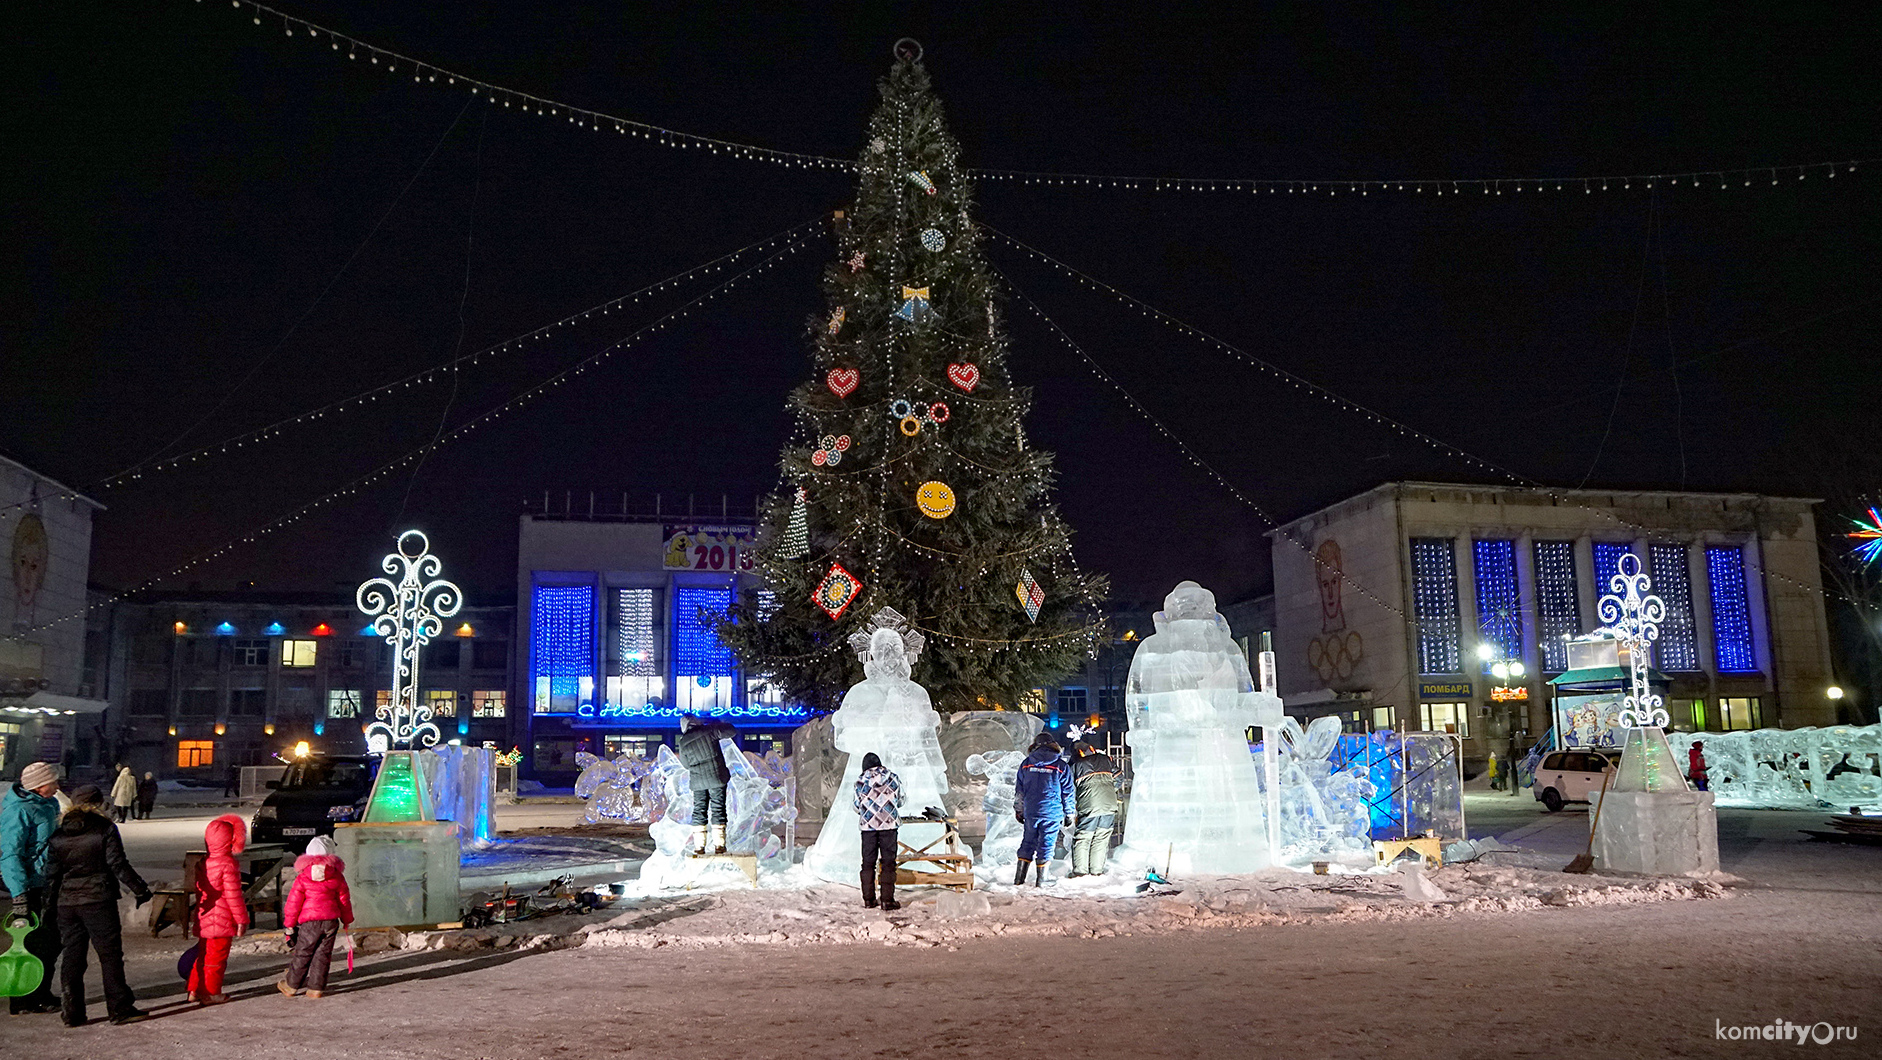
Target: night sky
(212, 225)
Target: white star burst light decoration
(1633, 616)
(407, 613)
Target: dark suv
(318, 792)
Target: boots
(1019, 875)
(699, 838)
(869, 889)
(718, 839)
(1039, 873)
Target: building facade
(49, 707)
(203, 682)
(1392, 607)
(616, 616)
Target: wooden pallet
(746, 863)
(1430, 848)
(952, 866)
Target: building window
(490, 654)
(351, 654)
(638, 746)
(150, 701)
(489, 703)
(555, 755)
(152, 650)
(562, 666)
(1740, 714)
(343, 703)
(248, 702)
(1434, 601)
(1731, 611)
(636, 679)
(1499, 605)
(702, 664)
(1447, 717)
(443, 654)
(1033, 702)
(765, 743)
(1074, 703)
(1607, 563)
(763, 691)
(382, 704)
(1678, 646)
(195, 754)
(1111, 702)
(298, 653)
(251, 653)
(1381, 718)
(442, 701)
(201, 702)
(1558, 601)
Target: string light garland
(425, 73)
(511, 404)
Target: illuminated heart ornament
(935, 499)
(842, 381)
(965, 376)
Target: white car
(1573, 775)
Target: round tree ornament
(933, 241)
(935, 499)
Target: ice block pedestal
(1648, 822)
(400, 874)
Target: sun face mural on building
(31, 552)
(1334, 653)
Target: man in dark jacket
(29, 815)
(1094, 778)
(1043, 801)
(146, 796)
(86, 862)
(700, 753)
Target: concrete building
(48, 709)
(201, 682)
(1382, 602)
(613, 645)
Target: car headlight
(266, 813)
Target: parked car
(1573, 775)
(317, 792)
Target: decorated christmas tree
(908, 482)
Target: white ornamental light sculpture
(1632, 616)
(407, 613)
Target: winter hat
(227, 831)
(88, 795)
(37, 775)
(870, 761)
(1044, 742)
(320, 847)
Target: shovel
(1584, 861)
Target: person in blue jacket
(1044, 800)
(29, 815)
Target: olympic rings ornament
(935, 499)
(900, 409)
(938, 413)
(913, 416)
(911, 426)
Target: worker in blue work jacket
(1044, 800)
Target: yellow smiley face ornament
(935, 499)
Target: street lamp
(1834, 692)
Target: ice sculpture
(400, 874)
(1324, 813)
(1648, 821)
(757, 799)
(462, 782)
(1001, 768)
(889, 714)
(967, 733)
(611, 788)
(1789, 768)
(1196, 801)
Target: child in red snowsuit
(318, 908)
(221, 907)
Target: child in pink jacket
(318, 908)
(221, 907)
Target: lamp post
(407, 613)
(1505, 670)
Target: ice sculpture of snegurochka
(1196, 801)
(1001, 845)
(891, 715)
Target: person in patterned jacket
(879, 808)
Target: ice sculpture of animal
(1001, 768)
(755, 802)
(1196, 800)
(1323, 813)
(891, 715)
(610, 787)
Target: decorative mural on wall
(1334, 653)
(31, 552)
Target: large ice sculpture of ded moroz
(1197, 800)
(891, 715)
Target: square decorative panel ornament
(1031, 595)
(836, 591)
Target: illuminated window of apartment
(1740, 713)
(616, 746)
(1382, 717)
(194, 754)
(382, 703)
(343, 703)
(489, 703)
(442, 701)
(1033, 702)
(1447, 717)
(298, 652)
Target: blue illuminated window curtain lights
(1731, 611)
(1607, 563)
(1499, 605)
(1434, 603)
(1678, 646)
(563, 621)
(637, 663)
(697, 650)
(1558, 601)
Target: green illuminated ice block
(400, 794)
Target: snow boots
(1019, 874)
(1039, 873)
(869, 889)
(718, 839)
(699, 840)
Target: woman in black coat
(85, 863)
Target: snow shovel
(20, 972)
(1584, 861)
